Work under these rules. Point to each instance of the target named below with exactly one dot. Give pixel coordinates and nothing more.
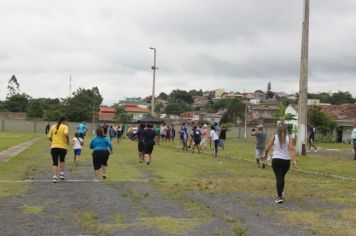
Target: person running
(173, 133)
(77, 146)
(312, 131)
(222, 137)
(184, 136)
(157, 130)
(215, 138)
(100, 146)
(163, 132)
(353, 139)
(148, 136)
(204, 137)
(260, 145)
(191, 136)
(140, 144)
(119, 134)
(168, 134)
(58, 135)
(112, 133)
(283, 153)
(197, 138)
(82, 129)
(105, 129)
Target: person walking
(173, 133)
(204, 137)
(140, 144)
(82, 130)
(58, 135)
(148, 136)
(112, 133)
(283, 153)
(260, 145)
(215, 139)
(77, 146)
(222, 137)
(353, 139)
(100, 146)
(168, 134)
(184, 136)
(197, 138)
(312, 131)
(119, 133)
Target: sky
(236, 45)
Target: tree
(235, 109)
(195, 92)
(37, 107)
(13, 86)
(17, 102)
(269, 94)
(341, 98)
(121, 115)
(177, 107)
(181, 95)
(322, 121)
(82, 104)
(163, 96)
(52, 114)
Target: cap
(259, 126)
(205, 125)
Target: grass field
(9, 139)
(321, 205)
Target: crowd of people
(198, 138)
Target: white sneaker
(278, 200)
(61, 176)
(54, 179)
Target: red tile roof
(106, 109)
(106, 116)
(135, 109)
(341, 112)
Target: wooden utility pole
(303, 84)
(154, 68)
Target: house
(209, 93)
(189, 116)
(265, 114)
(344, 116)
(230, 95)
(213, 118)
(134, 101)
(218, 93)
(199, 101)
(136, 111)
(107, 113)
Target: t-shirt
(204, 133)
(77, 143)
(100, 144)
(58, 136)
(260, 140)
(312, 132)
(148, 135)
(197, 134)
(353, 134)
(139, 134)
(213, 135)
(222, 134)
(81, 128)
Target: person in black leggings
(148, 136)
(283, 153)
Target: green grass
(340, 146)
(30, 209)
(9, 139)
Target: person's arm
(66, 134)
(50, 135)
(293, 152)
(92, 144)
(269, 145)
(109, 145)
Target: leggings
(354, 144)
(216, 144)
(280, 168)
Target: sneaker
(104, 175)
(96, 181)
(263, 166)
(148, 163)
(62, 177)
(278, 200)
(54, 179)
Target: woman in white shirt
(214, 136)
(283, 153)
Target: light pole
(154, 68)
(303, 83)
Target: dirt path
(13, 151)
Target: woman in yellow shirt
(58, 135)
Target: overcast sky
(235, 45)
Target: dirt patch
(15, 150)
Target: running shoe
(104, 175)
(278, 200)
(62, 177)
(54, 179)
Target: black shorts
(58, 153)
(140, 146)
(81, 135)
(100, 158)
(197, 141)
(148, 147)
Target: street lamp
(154, 68)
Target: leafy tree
(55, 111)
(159, 108)
(37, 107)
(177, 107)
(283, 116)
(82, 104)
(322, 121)
(121, 115)
(235, 109)
(17, 102)
(163, 96)
(323, 97)
(341, 98)
(13, 87)
(181, 95)
(195, 92)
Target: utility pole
(70, 85)
(154, 68)
(303, 84)
(245, 134)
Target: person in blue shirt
(100, 146)
(82, 130)
(184, 136)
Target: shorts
(197, 141)
(77, 152)
(148, 147)
(311, 140)
(163, 135)
(260, 153)
(100, 158)
(354, 144)
(81, 135)
(140, 146)
(222, 143)
(58, 153)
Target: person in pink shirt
(204, 136)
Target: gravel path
(13, 151)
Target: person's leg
(198, 147)
(278, 172)
(62, 157)
(258, 156)
(55, 157)
(216, 146)
(104, 164)
(354, 144)
(285, 167)
(222, 143)
(97, 165)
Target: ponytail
(61, 119)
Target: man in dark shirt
(312, 131)
(222, 137)
(148, 136)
